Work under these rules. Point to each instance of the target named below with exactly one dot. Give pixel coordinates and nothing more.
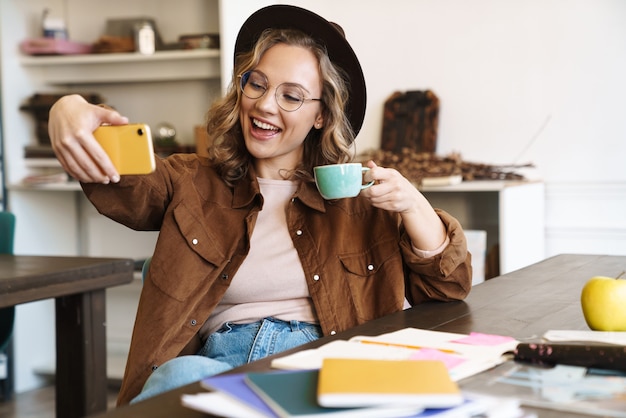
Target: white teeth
(263, 125)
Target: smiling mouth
(265, 126)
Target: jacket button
(154, 367)
(333, 332)
(316, 277)
(194, 241)
(370, 267)
(224, 276)
(193, 322)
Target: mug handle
(365, 186)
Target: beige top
(270, 281)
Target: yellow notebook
(347, 382)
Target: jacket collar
(310, 196)
(247, 190)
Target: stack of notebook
(341, 388)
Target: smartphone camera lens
(140, 132)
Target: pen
(597, 356)
(412, 347)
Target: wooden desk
(78, 285)
(524, 304)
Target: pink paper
(477, 338)
(449, 360)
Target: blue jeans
(231, 346)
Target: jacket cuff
(448, 259)
(431, 253)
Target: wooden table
(523, 304)
(78, 285)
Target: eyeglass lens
(288, 96)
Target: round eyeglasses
(289, 96)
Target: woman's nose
(267, 102)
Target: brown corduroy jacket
(358, 262)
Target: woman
(250, 259)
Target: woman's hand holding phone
(71, 125)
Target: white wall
(540, 81)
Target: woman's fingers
(71, 125)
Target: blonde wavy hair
(329, 145)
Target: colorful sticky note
(449, 360)
(477, 338)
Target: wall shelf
(69, 186)
(42, 163)
(477, 186)
(197, 64)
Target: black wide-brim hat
(324, 32)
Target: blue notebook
(235, 386)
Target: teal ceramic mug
(337, 181)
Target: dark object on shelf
(410, 120)
(107, 44)
(120, 35)
(416, 165)
(39, 151)
(39, 105)
(200, 41)
(126, 28)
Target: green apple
(603, 300)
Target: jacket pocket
(376, 280)
(185, 257)
(198, 237)
(182, 278)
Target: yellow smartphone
(128, 146)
